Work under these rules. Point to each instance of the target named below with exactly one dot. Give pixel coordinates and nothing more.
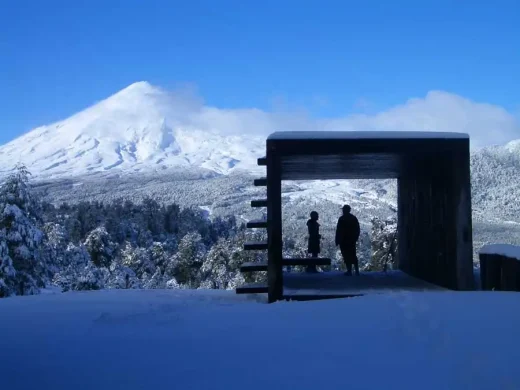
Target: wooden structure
(500, 267)
(434, 197)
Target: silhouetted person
(347, 235)
(314, 239)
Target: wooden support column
(274, 225)
(403, 258)
(463, 219)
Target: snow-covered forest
(125, 244)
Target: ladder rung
(253, 288)
(252, 267)
(262, 182)
(255, 246)
(259, 203)
(258, 223)
(306, 261)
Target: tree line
(94, 245)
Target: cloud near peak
(486, 124)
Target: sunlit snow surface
(141, 128)
(512, 251)
(335, 135)
(217, 340)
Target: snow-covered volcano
(139, 128)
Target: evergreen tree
(157, 281)
(137, 259)
(100, 248)
(188, 260)
(73, 267)
(21, 236)
(216, 267)
(384, 244)
(7, 271)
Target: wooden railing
(500, 267)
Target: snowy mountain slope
(147, 130)
(139, 128)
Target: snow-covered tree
(156, 281)
(56, 240)
(91, 278)
(74, 266)
(384, 244)
(137, 259)
(216, 269)
(100, 247)
(122, 277)
(187, 261)
(7, 271)
(20, 234)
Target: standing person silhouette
(314, 238)
(347, 235)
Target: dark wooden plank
(490, 272)
(306, 261)
(254, 267)
(253, 288)
(255, 246)
(259, 203)
(262, 161)
(262, 266)
(261, 182)
(315, 297)
(257, 224)
(274, 226)
(510, 274)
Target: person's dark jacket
(314, 236)
(347, 230)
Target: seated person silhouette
(347, 235)
(314, 239)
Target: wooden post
(490, 272)
(274, 225)
(463, 213)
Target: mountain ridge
(144, 128)
(147, 130)
(136, 129)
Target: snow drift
(182, 339)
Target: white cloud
(441, 111)
(486, 124)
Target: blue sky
(330, 57)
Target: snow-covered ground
(130, 339)
(336, 191)
(512, 251)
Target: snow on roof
(214, 339)
(506, 250)
(341, 135)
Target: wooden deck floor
(299, 285)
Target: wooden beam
(463, 220)
(262, 265)
(259, 203)
(254, 267)
(261, 182)
(257, 224)
(253, 288)
(255, 246)
(274, 225)
(315, 297)
(306, 261)
(262, 161)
